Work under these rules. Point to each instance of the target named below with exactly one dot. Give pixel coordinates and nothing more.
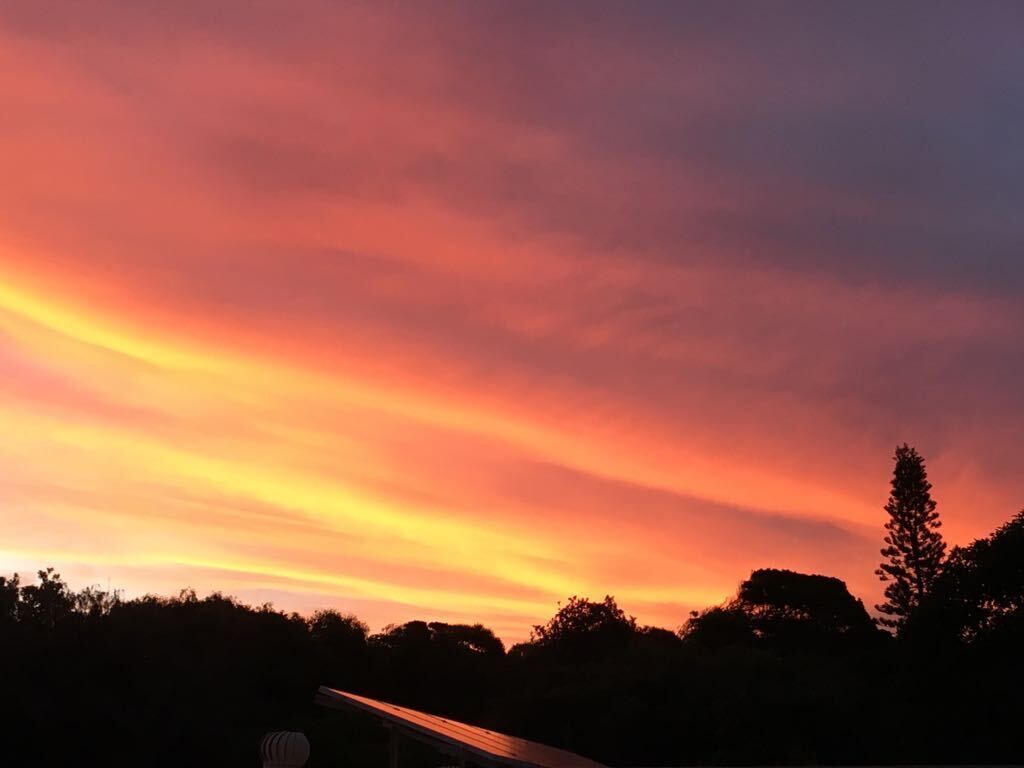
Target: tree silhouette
(10, 596)
(980, 593)
(47, 603)
(339, 643)
(585, 628)
(435, 666)
(784, 608)
(786, 605)
(95, 602)
(717, 628)
(914, 548)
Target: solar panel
(479, 744)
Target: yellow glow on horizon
(689, 473)
(201, 376)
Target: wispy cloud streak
(456, 314)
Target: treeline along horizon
(791, 670)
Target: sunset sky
(450, 311)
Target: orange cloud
(330, 317)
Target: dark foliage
(914, 547)
(785, 610)
(719, 627)
(979, 598)
(795, 609)
(339, 646)
(453, 668)
(789, 671)
(582, 630)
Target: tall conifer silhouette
(914, 548)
